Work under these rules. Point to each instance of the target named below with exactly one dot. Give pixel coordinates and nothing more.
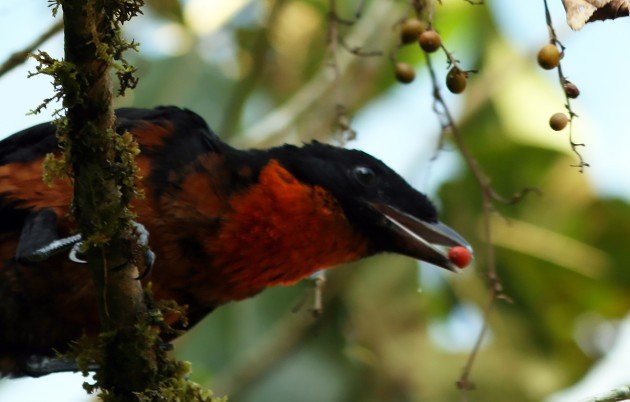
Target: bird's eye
(365, 175)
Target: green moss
(55, 168)
(132, 360)
(174, 387)
(65, 80)
(169, 376)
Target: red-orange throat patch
(280, 231)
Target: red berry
(460, 256)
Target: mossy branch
(100, 169)
(130, 352)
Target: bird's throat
(279, 231)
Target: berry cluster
(414, 30)
(549, 58)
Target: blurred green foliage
(561, 255)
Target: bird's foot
(149, 255)
(37, 366)
(75, 244)
(50, 249)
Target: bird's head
(376, 200)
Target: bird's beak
(421, 240)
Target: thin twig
(273, 127)
(334, 41)
(464, 383)
(489, 195)
(358, 50)
(21, 56)
(245, 87)
(553, 38)
(318, 302)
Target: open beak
(421, 240)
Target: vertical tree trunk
(100, 206)
(133, 364)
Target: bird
(224, 224)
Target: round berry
(549, 57)
(430, 41)
(571, 90)
(558, 121)
(411, 30)
(459, 256)
(456, 80)
(404, 73)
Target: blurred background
(393, 330)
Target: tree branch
(21, 56)
(132, 359)
(100, 171)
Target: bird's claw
(76, 244)
(37, 366)
(52, 248)
(74, 251)
(166, 347)
(149, 255)
(149, 259)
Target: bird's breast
(279, 231)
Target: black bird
(224, 225)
